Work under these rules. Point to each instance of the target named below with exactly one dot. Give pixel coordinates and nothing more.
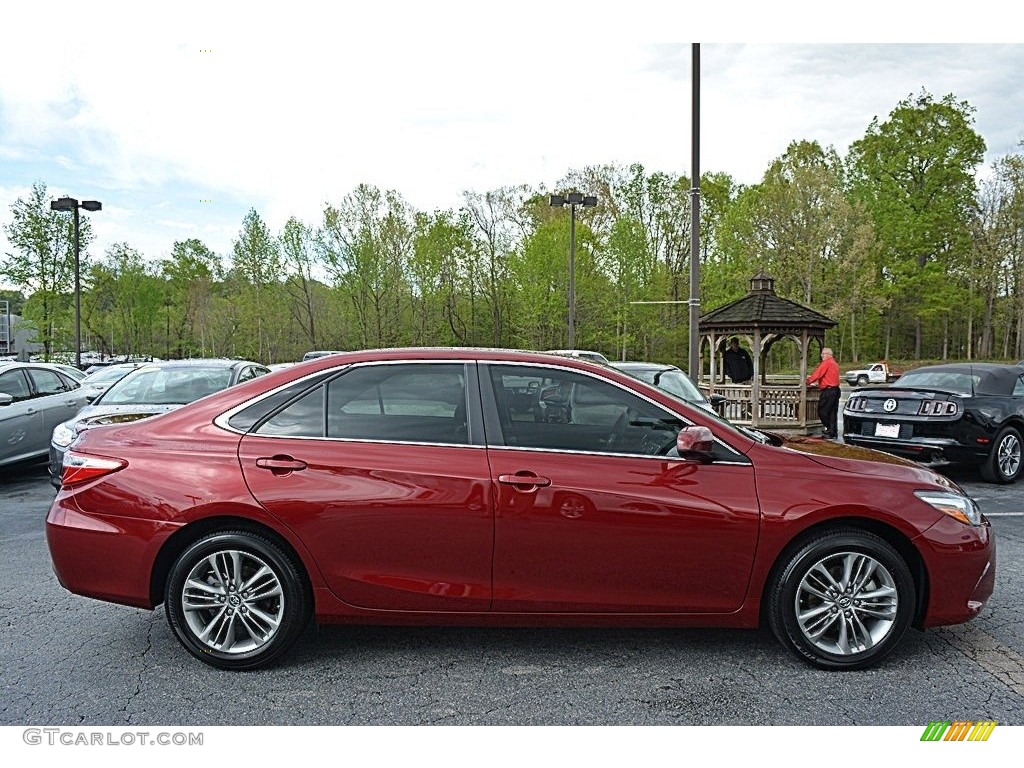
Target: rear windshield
(963, 383)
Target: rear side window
(417, 403)
(248, 417)
(47, 382)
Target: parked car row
(42, 407)
(489, 487)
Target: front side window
(564, 410)
(13, 383)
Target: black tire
(1004, 461)
(875, 623)
(862, 381)
(251, 621)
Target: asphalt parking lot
(70, 660)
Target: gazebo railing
(780, 405)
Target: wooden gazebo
(762, 318)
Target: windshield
(107, 375)
(166, 386)
(676, 383)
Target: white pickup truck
(878, 373)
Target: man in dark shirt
(738, 365)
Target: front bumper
(56, 465)
(961, 564)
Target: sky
(181, 117)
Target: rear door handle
(525, 481)
(281, 464)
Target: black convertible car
(970, 413)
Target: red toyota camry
(458, 486)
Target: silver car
(34, 399)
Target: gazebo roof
(761, 308)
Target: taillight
(937, 408)
(81, 467)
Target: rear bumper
(107, 558)
(930, 451)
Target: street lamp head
(575, 198)
(96, 205)
(557, 201)
(63, 204)
(590, 201)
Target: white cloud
(152, 109)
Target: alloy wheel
(232, 601)
(846, 603)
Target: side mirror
(695, 443)
(5, 399)
(90, 396)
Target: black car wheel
(1003, 464)
(862, 381)
(235, 600)
(842, 600)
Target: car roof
(994, 378)
(202, 362)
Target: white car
(582, 354)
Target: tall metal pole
(78, 296)
(695, 224)
(572, 276)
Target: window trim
(474, 416)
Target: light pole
(572, 199)
(70, 204)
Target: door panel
(594, 514)
(390, 526)
(376, 471)
(621, 534)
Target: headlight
(962, 508)
(63, 435)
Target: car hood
(99, 415)
(853, 458)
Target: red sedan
(451, 486)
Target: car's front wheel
(236, 600)
(1003, 464)
(842, 600)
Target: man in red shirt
(826, 377)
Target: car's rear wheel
(1003, 464)
(842, 600)
(236, 600)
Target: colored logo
(961, 730)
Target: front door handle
(525, 481)
(281, 464)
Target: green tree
(43, 262)
(190, 274)
(256, 267)
(914, 173)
